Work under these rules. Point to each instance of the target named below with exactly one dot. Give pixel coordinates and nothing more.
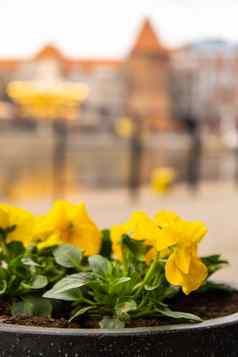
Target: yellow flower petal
(4, 219)
(183, 258)
(24, 222)
(196, 276)
(166, 238)
(58, 216)
(117, 232)
(165, 218)
(150, 255)
(172, 273)
(49, 242)
(79, 213)
(88, 238)
(198, 230)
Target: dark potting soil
(207, 305)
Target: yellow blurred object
(162, 179)
(124, 127)
(48, 100)
(36, 185)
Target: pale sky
(106, 28)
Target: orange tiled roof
(147, 40)
(52, 52)
(49, 52)
(9, 64)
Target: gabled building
(137, 85)
(148, 77)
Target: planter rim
(34, 330)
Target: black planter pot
(213, 338)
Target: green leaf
(123, 308)
(178, 315)
(38, 282)
(22, 308)
(62, 289)
(80, 312)
(136, 247)
(69, 295)
(106, 246)
(214, 263)
(111, 323)
(152, 287)
(32, 306)
(68, 256)
(16, 266)
(15, 248)
(119, 281)
(3, 286)
(99, 264)
(29, 261)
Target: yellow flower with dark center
(22, 220)
(69, 223)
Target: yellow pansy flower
(69, 223)
(183, 267)
(21, 219)
(162, 219)
(139, 227)
(189, 281)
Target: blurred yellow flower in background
(124, 127)
(162, 179)
(22, 220)
(68, 223)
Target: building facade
(153, 84)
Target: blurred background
(126, 105)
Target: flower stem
(148, 274)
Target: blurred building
(153, 84)
(148, 71)
(205, 82)
(137, 85)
